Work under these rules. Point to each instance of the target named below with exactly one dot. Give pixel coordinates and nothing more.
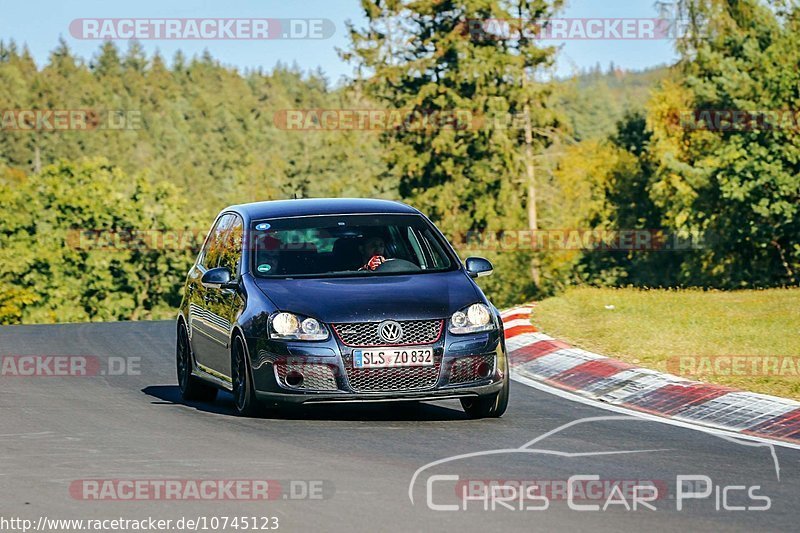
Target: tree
(737, 185)
(430, 57)
(206, 133)
(82, 241)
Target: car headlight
(289, 326)
(476, 317)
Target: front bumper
(308, 397)
(329, 377)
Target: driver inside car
(372, 251)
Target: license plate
(390, 358)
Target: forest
(100, 221)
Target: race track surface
(57, 431)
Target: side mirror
(218, 278)
(478, 266)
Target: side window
(209, 257)
(232, 247)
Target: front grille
(366, 333)
(408, 378)
(316, 376)
(465, 369)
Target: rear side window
(231, 250)
(215, 243)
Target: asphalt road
(57, 431)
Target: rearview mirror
(478, 266)
(218, 278)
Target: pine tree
(431, 56)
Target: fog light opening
(294, 379)
(484, 369)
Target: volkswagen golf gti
(337, 300)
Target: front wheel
(491, 406)
(244, 394)
(192, 389)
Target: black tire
(244, 394)
(491, 406)
(192, 388)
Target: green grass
(650, 327)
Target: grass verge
(744, 339)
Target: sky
(40, 24)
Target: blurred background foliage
(605, 149)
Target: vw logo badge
(390, 331)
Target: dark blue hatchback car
(337, 300)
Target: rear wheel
(244, 394)
(491, 406)
(192, 389)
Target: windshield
(349, 245)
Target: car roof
(319, 206)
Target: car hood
(373, 298)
